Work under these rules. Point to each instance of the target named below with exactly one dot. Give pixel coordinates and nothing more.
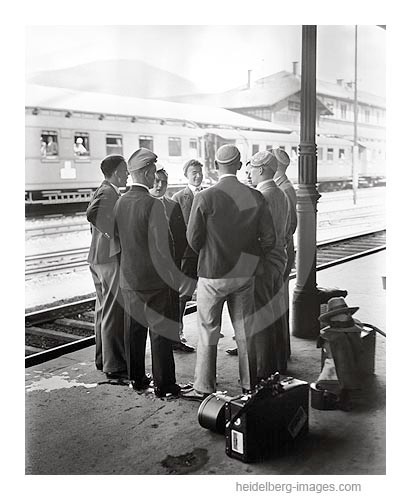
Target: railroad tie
(75, 323)
(35, 330)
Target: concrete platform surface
(77, 425)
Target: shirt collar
(193, 189)
(140, 185)
(227, 175)
(280, 179)
(116, 189)
(263, 183)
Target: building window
(343, 111)
(294, 105)
(114, 145)
(255, 149)
(269, 147)
(367, 115)
(146, 141)
(330, 154)
(193, 144)
(174, 146)
(49, 147)
(281, 147)
(293, 152)
(330, 105)
(320, 153)
(341, 154)
(81, 146)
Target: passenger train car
(69, 132)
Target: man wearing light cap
(282, 181)
(272, 350)
(231, 229)
(146, 278)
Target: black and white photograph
(205, 245)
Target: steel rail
(50, 314)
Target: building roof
(272, 89)
(93, 102)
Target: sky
(215, 58)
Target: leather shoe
(181, 346)
(117, 375)
(141, 385)
(193, 395)
(169, 390)
(232, 352)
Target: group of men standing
(149, 253)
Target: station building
(276, 98)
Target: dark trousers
(153, 310)
(270, 327)
(188, 285)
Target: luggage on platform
(266, 422)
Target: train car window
(49, 147)
(174, 146)
(294, 105)
(114, 145)
(341, 154)
(146, 141)
(81, 146)
(193, 144)
(320, 153)
(255, 149)
(330, 153)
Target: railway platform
(79, 425)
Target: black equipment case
(267, 422)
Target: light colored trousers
(109, 318)
(211, 296)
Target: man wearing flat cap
(282, 181)
(231, 229)
(146, 277)
(272, 352)
(193, 171)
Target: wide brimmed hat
(337, 305)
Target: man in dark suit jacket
(177, 238)
(231, 229)
(146, 277)
(109, 316)
(272, 340)
(193, 170)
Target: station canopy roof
(43, 97)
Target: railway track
(56, 261)
(56, 331)
(51, 229)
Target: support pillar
(306, 306)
